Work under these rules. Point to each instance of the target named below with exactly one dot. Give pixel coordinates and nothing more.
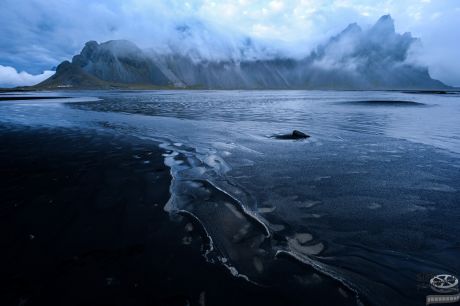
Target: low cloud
(10, 77)
(37, 35)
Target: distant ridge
(355, 59)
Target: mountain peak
(352, 28)
(385, 25)
(91, 44)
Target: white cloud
(37, 34)
(276, 5)
(10, 77)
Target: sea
(369, 203)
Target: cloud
(10, 77)
(37, 35)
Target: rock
(299, 134)
(294, 135)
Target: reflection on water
(429, 119)
(365, 122)
(371, 199)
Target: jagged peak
(89, 47)
(85, 53)
(115, 44)
(352, 28)
(385, 19)
(62, 66)
(385, 25)
(91, 44)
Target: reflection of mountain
(376, 58)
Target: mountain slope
(376, 58)
(69, 75)
(119, 61)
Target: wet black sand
(82, 223)
(383, 103)
(21, 98)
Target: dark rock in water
(299, 134)
(294, 135)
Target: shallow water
(370, 199)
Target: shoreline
(31, 89)
(82, 223)
(342, 199)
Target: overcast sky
(36, 35)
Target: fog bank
(37, 35)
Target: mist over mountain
(373, 58)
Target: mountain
(375, 58)
(114, 64)
(70, 75)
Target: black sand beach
(361, 209)
(82, 223)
